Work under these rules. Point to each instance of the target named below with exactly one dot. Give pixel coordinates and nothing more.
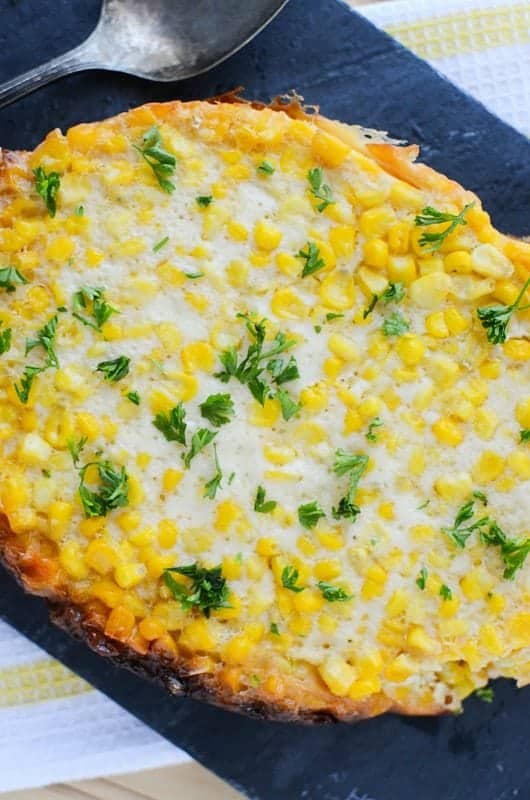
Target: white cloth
(53, 725)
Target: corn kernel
(171, 479)
(517, 349)
(448, 432)
(377, 221)
(458, 261)
(430, 291)
(488, 467)
(329, 150)
(267, 236)
(487, 260)
(337, 674)
(376, 253)
(410, 349)
(197, 636)
(120, 623)
(129, 575)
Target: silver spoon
(161, 40)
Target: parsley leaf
(290, 577)
(26, 382)
(394, 293)
(46, 339)
(373, 302)
(513, 551)
(134, 397)
(265, 168)
(282, 372)
(445, 592)
(274, 629)
(218, 409)
(100, 311)
(210, 489)
(76, 448)
(5, 341)
(113, 491)
(332, 593)
(288, 405)
(496, 319)
(47, 187)
(486, 694)
(114, 370)
(261, 505)
(525, 435)
(431, 216)
(320, 190)
(207, 591)
(377, 422)
(309, 514)
(355, 465)
(199, 441)
(204, 200)
(159, 245)
(172, 424)
(313, 261)
(161, 162)
(331, 315)
(421, 580)
(10, 277)
(460, 532)
(395, 325)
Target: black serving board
(356, 73)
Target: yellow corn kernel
(88, 425)
(405, 196)
(399, 238)
(308, 602)
(476, 584)
(387, 511)
(518, 629)
(226, 514)
(454, 487)
(120, 623)
(401, 668)
(327, 623)
(490, 640)
(364, 687)
(487, 260)
(198, 356)
(398, 603)
(342, 239)
(410, 349)
(372, 282)
(329, 150)
(330, 539)
(33, 450)
(337, 291)
(449, 608)
(71, 560)
(238, 649)
(490, 370)
(278, 454)
(59, 515)
(167, 533)
(267, 236)
(171, 479)
(430, 264)
(337, 674)
(458, 261)
(128, 521)
(267, 547)
(353, 421)
(417, 462)
(142, 537)
(417, 639)
(376, 253)
(488, 467)
(332, 367)
(436, 325)
(197, 636)
(343, 348)
(371, 589)
(327, 569)
(100, 557)
(92, 526)
(107, 591)
(287, 304)
(314, 398)
(519, 462)
(265, 416)
(517, 349)
(375, 222)
(370, 407)
(522, 413)
(485, 423)
(402, 268)
(60, 249)
(237, 231)
(448, 432)
(430, 291)
(232, 568)
(151, 628)
(129, 574)
(455, 321)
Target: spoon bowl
(163, 40)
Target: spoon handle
(73, 61)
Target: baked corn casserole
(265, 410)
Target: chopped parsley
(332, 593)
(161, 162)
(496, 319)
(431, 216)
(204, 200)
(394, 293)
(486, 694)
(395, 325)
(26, 382)
(258, 359)
(313, 261)
(423, 505)
(377, 422)
(320, 190)
(355, 466)
(331, 315)
(10, 277)
(274, 629)
(309, 514)
(113, 489)
(172, 424)
(265, 168)
(76, 448)
(217, 409)
(445, 592)
(199, 441)
(460, 532)
(421, 580)
(134, 397)
(368, 310)
(114, 370)
(513, 552)
(5, 341)
(288, 406)
(524, 433)
(92, 299)
(46, 339)
(159, 245)
(210, 489)
(480, 496)
(290, 577)
(282, 372)
(194, 275)
(207, 590)
(80, 211)
(47, 187)
(261, 505)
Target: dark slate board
(335, 58)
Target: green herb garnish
(355, 466)
(159, 245)
(199, 441)
(46, 339)
(92, 299)
(261, 505)
(309, 514)
(486, 694)
(113, 490)
(207, 591)
(80, 211)
(368, 310)
(421, 580)
(313, 261)
(524, 433)
(47, 187)
(26, 382)
(377, 422)
(204, 200)
(445, 592)
(217, 409)
(331, 315)
(194, 275)
(320, 190)
(274, 629)
(282, 372)
(265, 168)
(431, 216)
(134, 397)
(114, 370)
(210, 489)
(288, 406)
(332, 593)
(10, 277)
(395, 325)
(161, 162)
(172, 424)
(290, 577)
(5, 341)
(496, 319)
(513, 552)
(460, 532)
